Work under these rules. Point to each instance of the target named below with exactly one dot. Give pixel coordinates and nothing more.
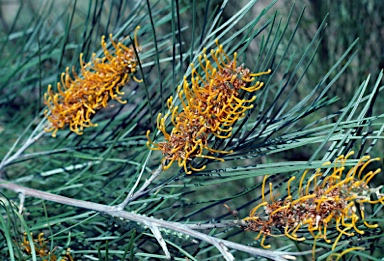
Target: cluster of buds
(211, 103)
(77, 99)
(332, 202)
(42, 249)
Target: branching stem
(9, 159)
(184, 229)
(132, 196)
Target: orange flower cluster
(211, 104)
(333, 202)
(100, 80)
(42, 249)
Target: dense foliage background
(323, 99)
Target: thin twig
(232, 223)
(32, 139)
(178, 227)
(156, 232)
(132, 196)
(224, 251)
(22, 200)
(139, 177)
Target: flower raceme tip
(211, 103)
(77, 99)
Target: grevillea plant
(77, 99)
(105, 196)
(211, 104)
(335, 202)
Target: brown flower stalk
(333, 201)
(77, 99)
(211, 103)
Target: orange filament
(301, 182)
(253, 211)
(262, 243)
(263, 188)
(293, 237)
(270, 192)
(338, 256)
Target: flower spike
(211, 103)
(331, 202)
(79, 97)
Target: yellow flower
(211, 103)
(333, 201)
(99, 81)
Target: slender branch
(33, 137)
(224, 251)
(232, 223)
(8, 159)
(127, 199)
(22, 200)
(156, 232)
(184, 229)
(132, 196)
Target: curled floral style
(333, 202)
(211, 103)
(77, 99)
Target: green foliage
(319, 102)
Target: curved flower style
(211, 104)
(100, 80)
(333, 201)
